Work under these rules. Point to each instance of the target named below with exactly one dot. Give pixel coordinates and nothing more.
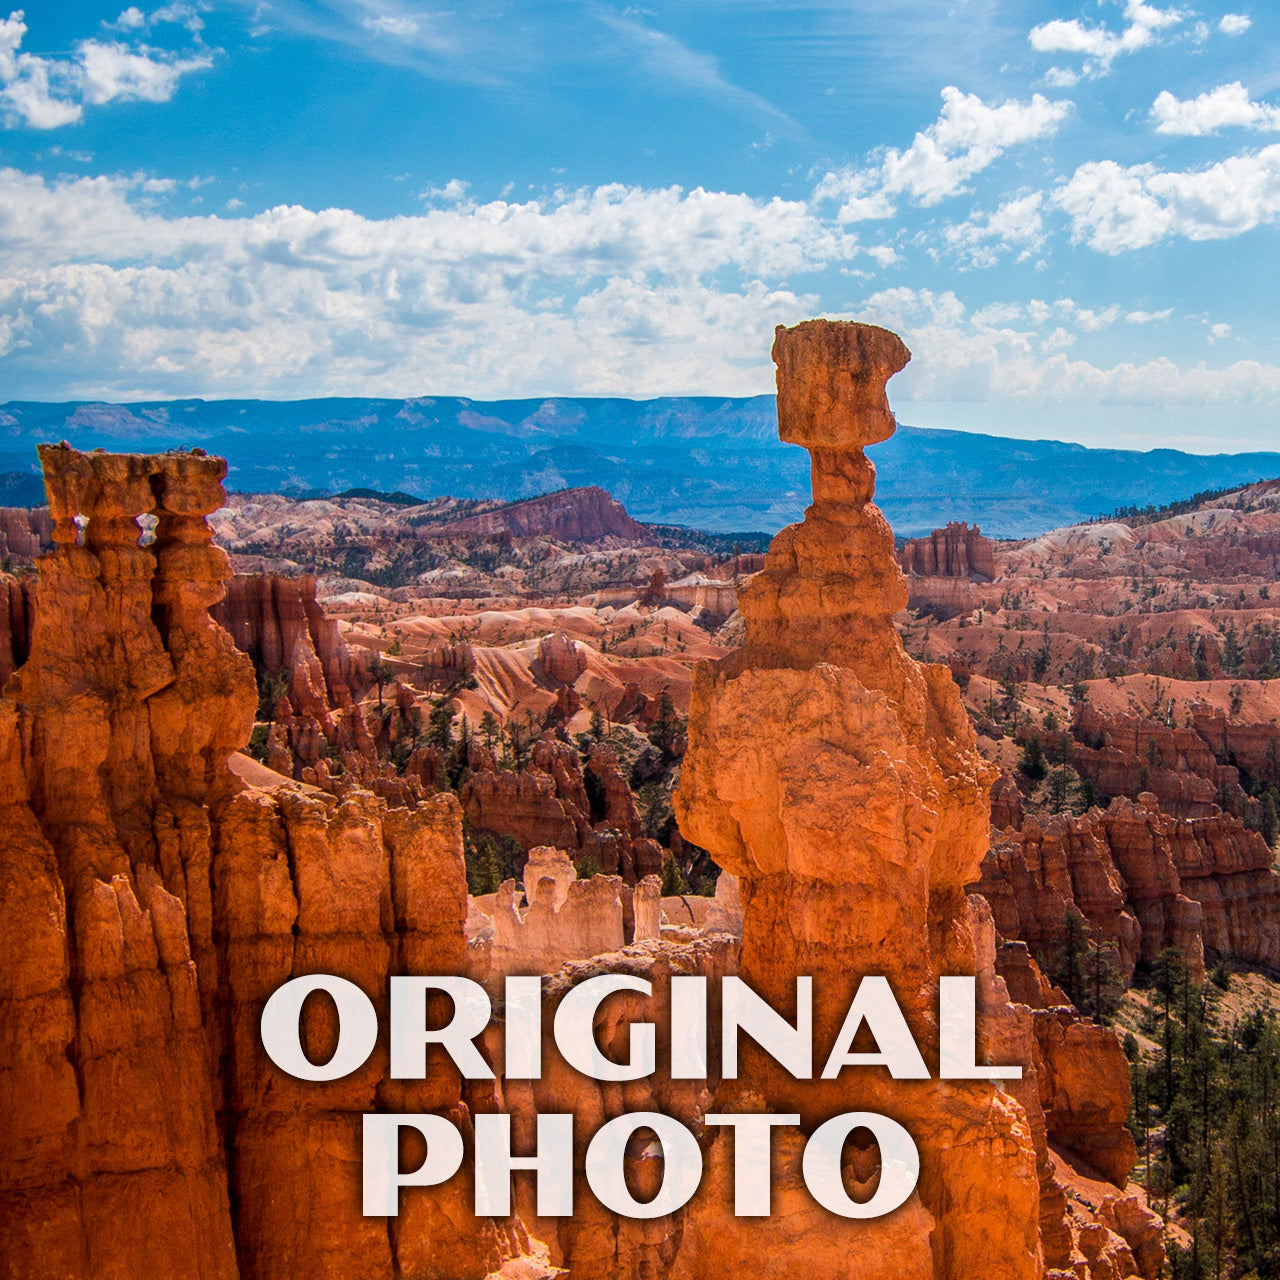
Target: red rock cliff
(152, 902)
(574, 515)
(24, 532)
(279, 623)
(1143, 879)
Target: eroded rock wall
(279, 623)
(17, 612)
(1142, 879)
(547, 803)
(580, 515)
(24, 532)
(152, 902)
(957, 551)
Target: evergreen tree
(381, 675)
(674, 883)
(1032, 764)
(666, 725)
(1062, 781)
(440, 725)
(1270, 823)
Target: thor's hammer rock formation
(840, 781)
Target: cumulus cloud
(968, 136)
(111, 72)
(613, 290)
(616, 289)
(47, 93)
(27, 82)
(1114, 208)
(1101, 45)
(1235, 24)
(130, 19)
(1017, 226)
(1227, 106)
(180, 12)
(1018, 353)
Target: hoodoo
(840, 781)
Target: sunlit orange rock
(956, 551)
(152, 901)
(840, 782)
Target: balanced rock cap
(831, 382)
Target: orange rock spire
(841, 782)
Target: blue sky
(1068, 209)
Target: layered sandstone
(1142, 879)
(17, 610)
(1128, 753)
(280, 625)
(576, 515)
(24, 532)
(559, 658)
(153, 901)
(547, 803)
(1075, 1091)
(560, 919)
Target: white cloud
(453, 191)
(1235, 24)
(1091, 321)
(131, 19)
(186, 15)
(1100, 45)
(605, 291)
(617, 290)
(46, 93)
(385, 24)
(1229, 105)
(26, 82)
(1016, 226)
(114, 71)
(1061, 78)
(968, 136)
(1115, 208)
(1002, 355)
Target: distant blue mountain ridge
(705, 462)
